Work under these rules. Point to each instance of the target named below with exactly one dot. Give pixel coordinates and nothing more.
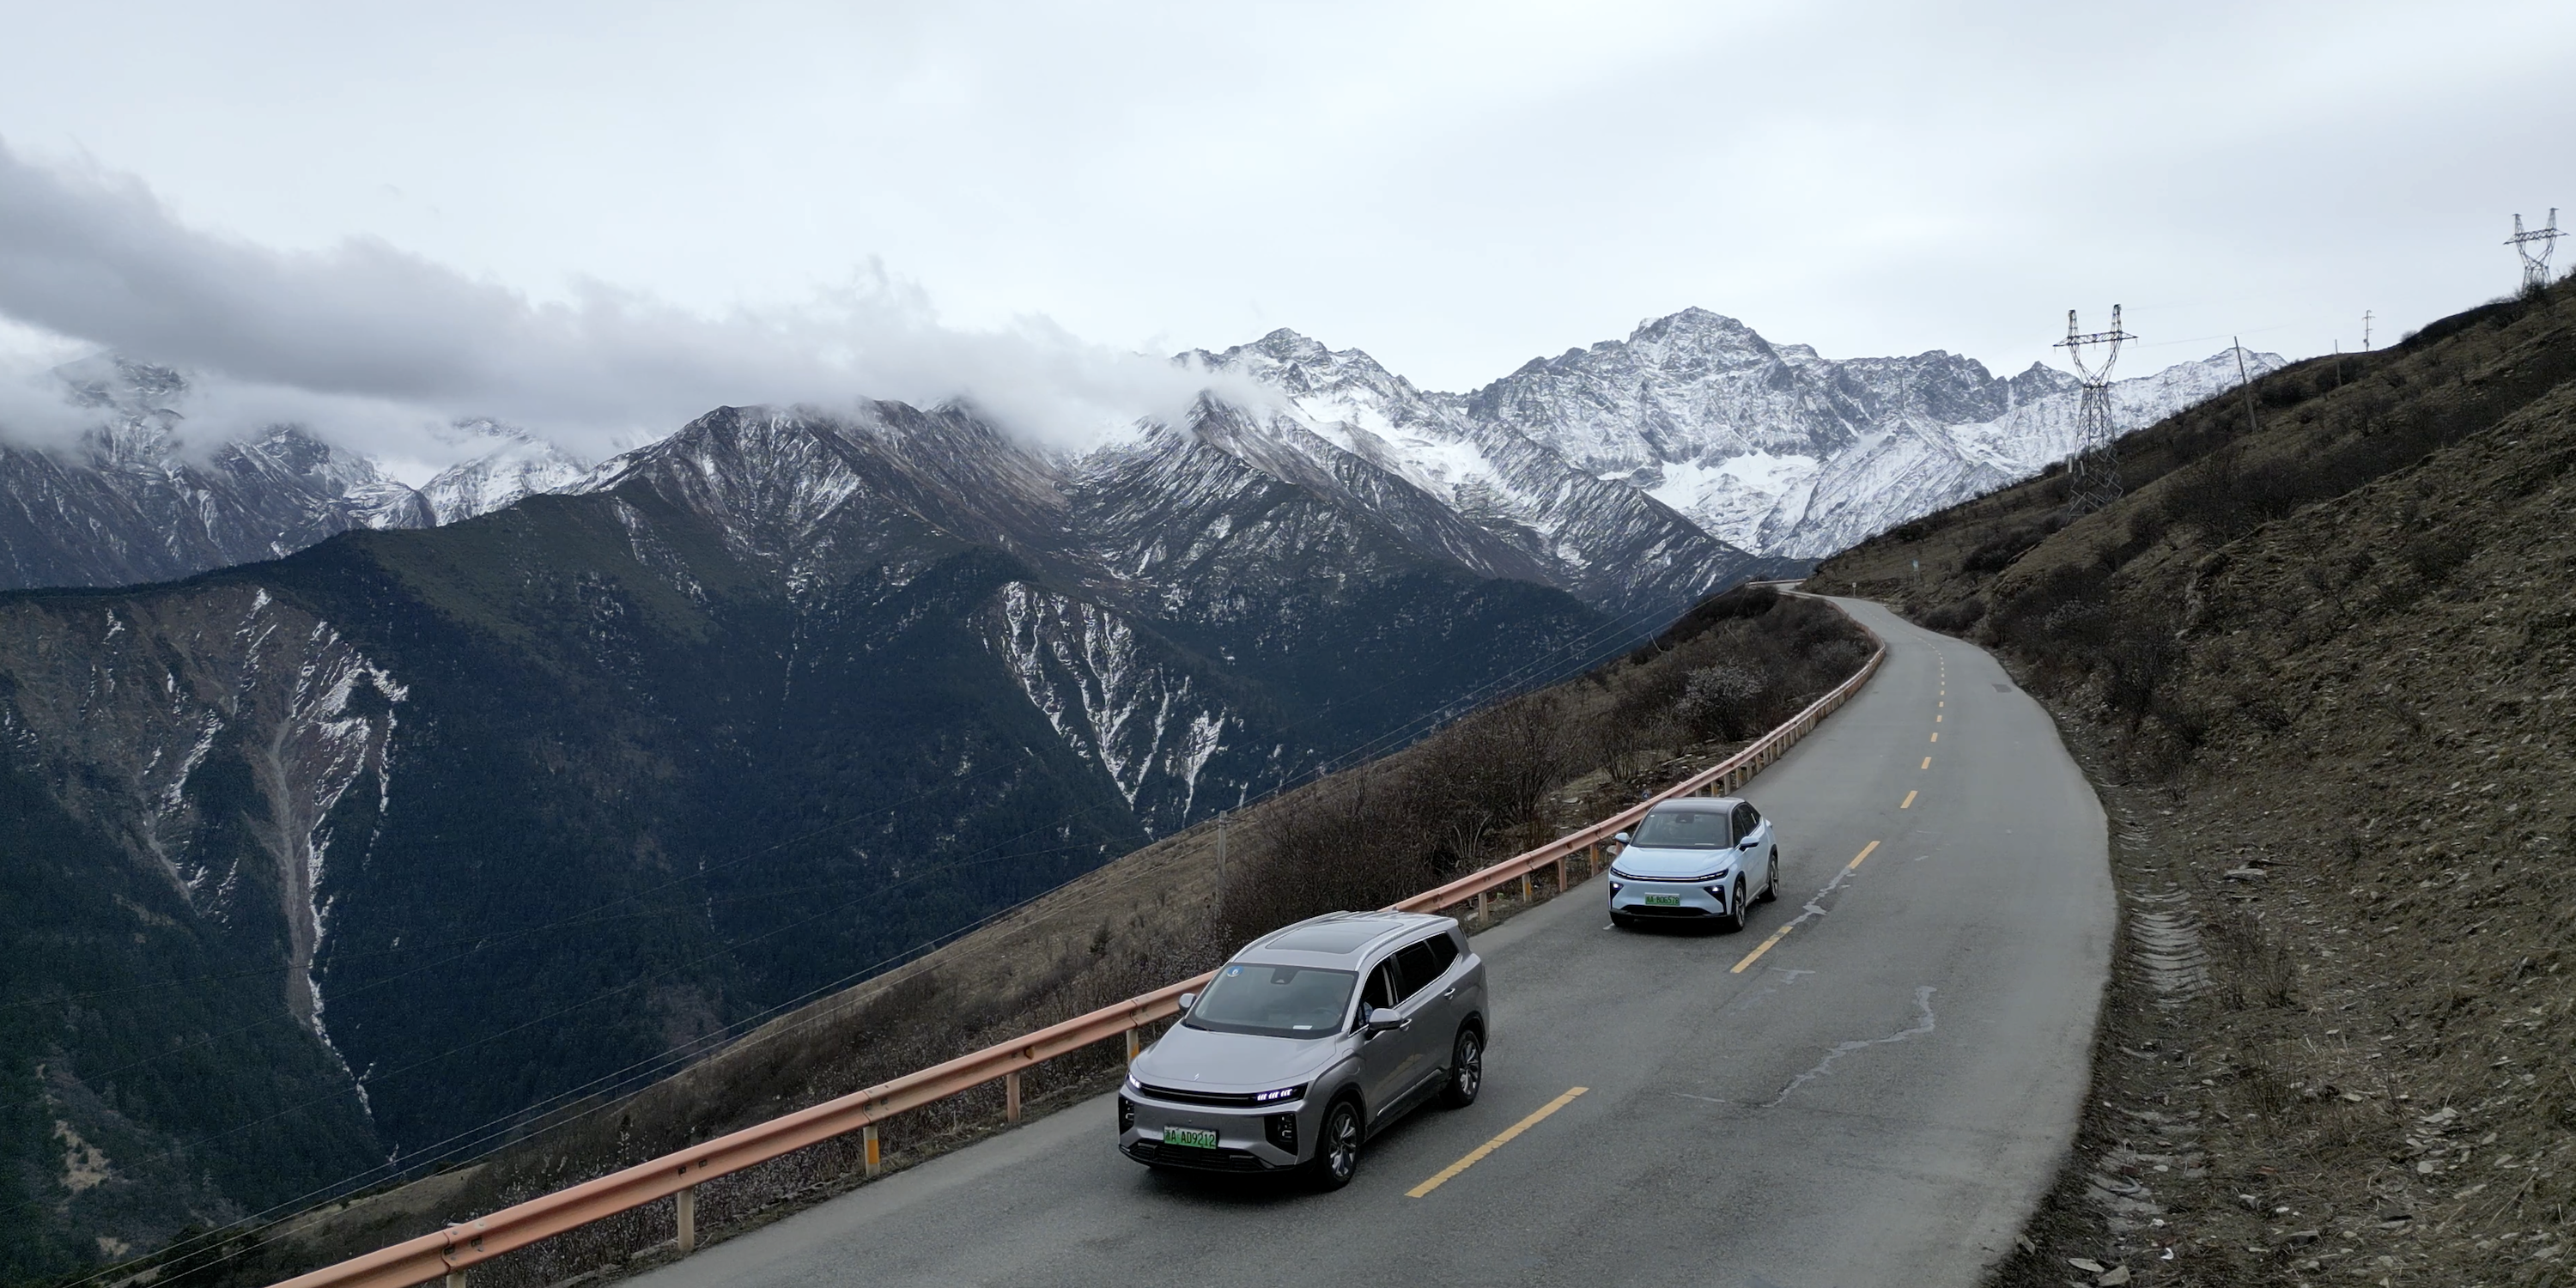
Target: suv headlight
(1274, 1097)
(1702, 879)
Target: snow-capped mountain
(1612, 545)
(132, 500)
(513, 463)
(128, 502)
(1781, 451)
(1638, 474)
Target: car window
(1752, 818)
(1444, 950)
(1417, 967)
(1275, 1001)
(1696, 829)
(1743, 820)
(1382, 987)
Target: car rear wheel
(1738, 916)
(1337, 1149)
(1771, 880)
(1466, 1069)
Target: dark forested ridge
(313, 861)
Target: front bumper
(1264, 1138)
(1636, 897)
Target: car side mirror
(1188, 1000)
(1384, 1020)
(1748, 843)
(1621, 838)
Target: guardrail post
(1561, 887)
(1011, 1097)
(1480, 905)
(456, 1279)
(868, 1143)
(1135, 1045)
(1526, 896)
(688, 1213)
(1591, 860)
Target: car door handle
(1453, 992)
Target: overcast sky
(597, 214)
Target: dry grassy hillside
(1487, 787)
(2322, 661)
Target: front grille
(1222, 1099)
(1655, 910)
(1206, 1160)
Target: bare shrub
(1358, 840)
(1722, 701)
(2255, 968)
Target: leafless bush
(1360, 840)
(2255, 968)
(1722, 701)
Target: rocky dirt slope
(2321, 660)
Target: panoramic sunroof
(1330, 937)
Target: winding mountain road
(1878, 1097)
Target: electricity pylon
(2535, 268)
(2093, 475)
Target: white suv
(1696, 857)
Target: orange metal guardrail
(1724, 776)
(446, 1254)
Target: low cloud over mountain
(381, 344)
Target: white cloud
(378, 345)
(1456, 187)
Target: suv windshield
(1274, 1001)
(1684, 830)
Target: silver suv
(1311, 1040)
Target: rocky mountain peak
(511, 463)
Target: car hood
(1201, 1060)
(1672, 865)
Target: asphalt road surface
(1879, 1098)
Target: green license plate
(1663, 901)
(1194, 1137)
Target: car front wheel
(1466, 1070)
(1738, 916)
(1337, 1150)
(1771, 880)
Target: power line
(2093, 474)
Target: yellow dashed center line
(1477, 1155)
(1927, 762)
(1864, 853)
(1756, 954)
(1909, 801)
(1936, 719)
(1936, 737)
